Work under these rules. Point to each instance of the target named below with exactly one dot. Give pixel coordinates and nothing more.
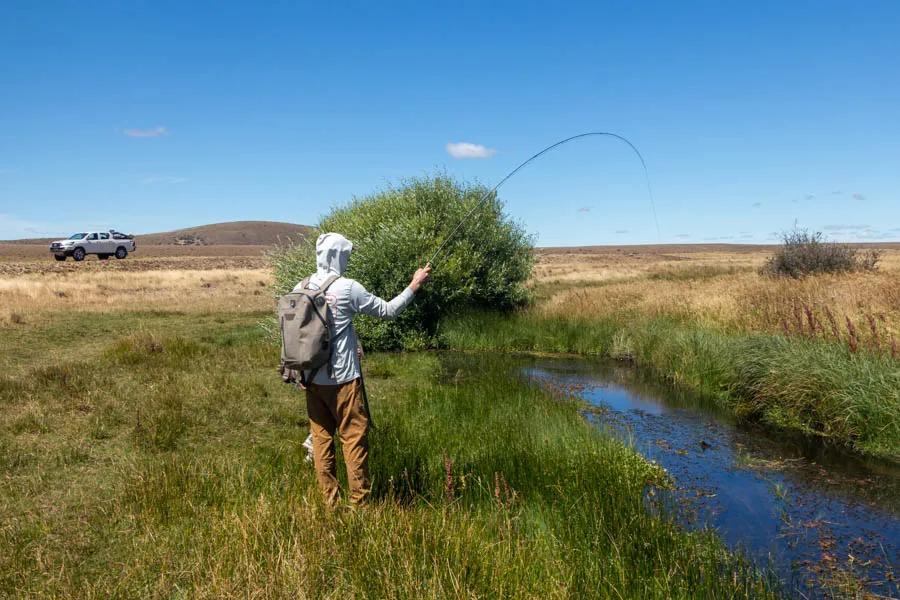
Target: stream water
(813, 514)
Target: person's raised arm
(369, 304)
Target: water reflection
(811, 511)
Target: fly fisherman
(334, 393)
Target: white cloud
(468, 150)
(858, 196)
(158, 131)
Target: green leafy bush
(394, 231)
(805, 252)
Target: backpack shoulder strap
(327, 283)
(304, 285)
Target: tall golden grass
(34, 296)
(712, 288)
(720, 289)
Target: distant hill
(267, 233)
(235, 233)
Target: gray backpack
(306, 325)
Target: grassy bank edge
(796, 384)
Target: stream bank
(823, 519)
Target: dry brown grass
(708, 285)
(172, 278)
(32, 296)
(713, 288)
(580, 265)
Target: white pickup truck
(102, 243)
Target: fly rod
(488, 194)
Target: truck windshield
(78, 236)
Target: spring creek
(810, 513)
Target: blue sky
(147, 116)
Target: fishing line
(488, 194)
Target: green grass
(804, 385)
(73, 336)
(169, 465)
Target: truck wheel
(121, 252)
(59, 257)
(103, 256)
(78, 254)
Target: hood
(332, 254)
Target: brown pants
(340, 408)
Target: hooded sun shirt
(346, 297)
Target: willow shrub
(395, 230)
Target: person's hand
(420, 277)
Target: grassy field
(34, 291)
(817, 355)
(716, 287)
(148, 449)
